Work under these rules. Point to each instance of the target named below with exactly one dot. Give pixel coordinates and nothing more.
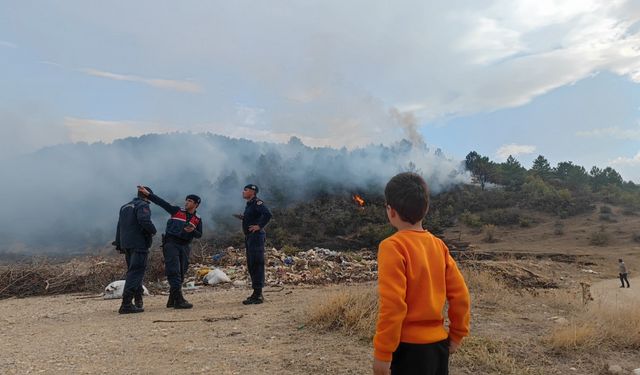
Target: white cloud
(625, 161)
(612, 132)
(186, 86)
(629, 167)
(91, 130)
(514, 150)
(4, 43)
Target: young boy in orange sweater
(416, 276)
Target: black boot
(172, 298)
(180, 302)
(255, 298)
(127, 307)
(137, 299)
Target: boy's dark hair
(408, 194)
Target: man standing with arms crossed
(256, 216)
(182, 227)
(133, 237)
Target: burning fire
(358, 199)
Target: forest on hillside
(499, 194)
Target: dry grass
(480, 355)
(353, 312)
(489, 233)
(600, 327)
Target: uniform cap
(194, 198)
(252, 187)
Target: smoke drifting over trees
(66, 198)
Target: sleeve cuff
(455, 338)
(383, 356)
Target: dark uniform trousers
(421, 359)
(176, 262)
(254, 243)
(136, 266)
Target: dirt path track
(71, 335)
(609, 291)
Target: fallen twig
(208, 320)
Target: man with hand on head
(134, 234)
(255, 217)
(182, 227)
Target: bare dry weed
(600, 326)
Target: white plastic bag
(114, 290)
(216, 276)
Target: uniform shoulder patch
(259, 203)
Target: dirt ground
(73, 335)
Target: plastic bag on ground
(216, 276)
(114, 290)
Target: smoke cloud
(66, 198)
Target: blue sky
(557, 78)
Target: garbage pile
(314, 266)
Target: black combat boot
(127, 307)
(172, 298)
(255, 298)
(137, 299)
(180, 302)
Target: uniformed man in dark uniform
(182, 227)
(255, 218)
(133, 237)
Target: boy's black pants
(421, 359)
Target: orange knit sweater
(416, 276)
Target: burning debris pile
(314, 266)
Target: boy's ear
(392, 213)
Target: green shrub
(600, 238)
(525, 222)
(501, 216)
(471, 220)
(371, 234)
(605, 210)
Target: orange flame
(358, 199)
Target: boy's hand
(453, 346)
(381, 367)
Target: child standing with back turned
(416, 276)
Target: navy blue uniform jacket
(135, 229)
(255, 213)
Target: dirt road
(72, 335)
(609, 292)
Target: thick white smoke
(67, 197)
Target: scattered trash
(314, 266)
